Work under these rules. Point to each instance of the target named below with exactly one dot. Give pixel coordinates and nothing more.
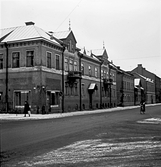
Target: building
(49, 71)
(125, 88)
(30, 69)
(148, 83)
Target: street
(119, 138)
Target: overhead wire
(137, 58)
(68, 15)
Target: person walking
(26, 109)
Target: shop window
(20, 97)
(53, 97)
(29, 58)
(48, 60)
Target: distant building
(125, 88)
(148, 82)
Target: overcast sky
(130, 29)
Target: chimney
(139, 65)
(29, 23)
(51, 34)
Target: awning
(137, 82)
(92, 86)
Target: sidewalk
(60, 115)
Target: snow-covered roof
(24, 33)
(62, 34)
(98, 52)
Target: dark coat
(26, 108)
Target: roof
(62, 34)
(98, 52)
(24, 33)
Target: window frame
(48, 63)
(32, 60)
(96, 72)
(57, 66)
(17, 60)
(1, 61)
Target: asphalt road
(23, 140)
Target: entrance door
(90, 99)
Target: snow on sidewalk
(59, 115)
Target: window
(29, 58)
(82, 68)
(90, 71)
(66, 88)
(104, 74)
(48, 60)
(75, 88)
(1, 61)
(71, 65)
(66, 64)
(96, 72)
(83, 90)
(53, 97)
(1, 93)
(57, 62)
(75, 66)
(15, 59)
(20, 97)
(101, 73)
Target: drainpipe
(80, 81)
(110, 83)
(6, 45)
(101, 62)
(63, 78)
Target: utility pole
(62, 105)
(6, 45)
